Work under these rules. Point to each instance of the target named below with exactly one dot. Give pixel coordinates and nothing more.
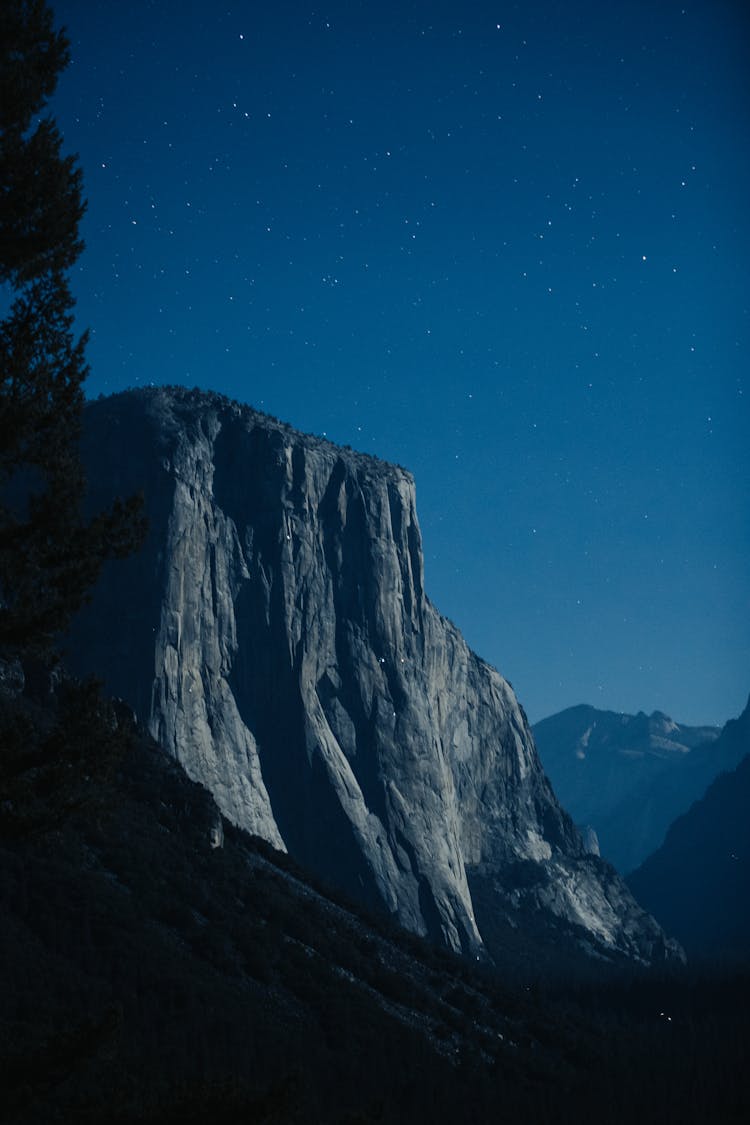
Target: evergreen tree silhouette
(50, 554)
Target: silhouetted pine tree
(49, 554)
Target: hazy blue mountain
(698, 882)
(628, 776)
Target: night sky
(505, 245)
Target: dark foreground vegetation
(153, 971)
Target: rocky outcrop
(275, 636)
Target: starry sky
(505, 245)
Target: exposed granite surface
(275, 636)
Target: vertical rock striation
(276, 637)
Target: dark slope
(142, 965)
(698, 882)
(152, 971)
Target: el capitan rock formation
(275, 637)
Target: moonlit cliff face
(275, 636)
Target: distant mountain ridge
(698, 882)
(628, 776)
(275, 637)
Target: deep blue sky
(505, 245)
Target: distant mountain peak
(627, 775)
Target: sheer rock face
(275, 636)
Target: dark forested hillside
(698, 882)
(156, 965)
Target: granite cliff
(275, 636)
